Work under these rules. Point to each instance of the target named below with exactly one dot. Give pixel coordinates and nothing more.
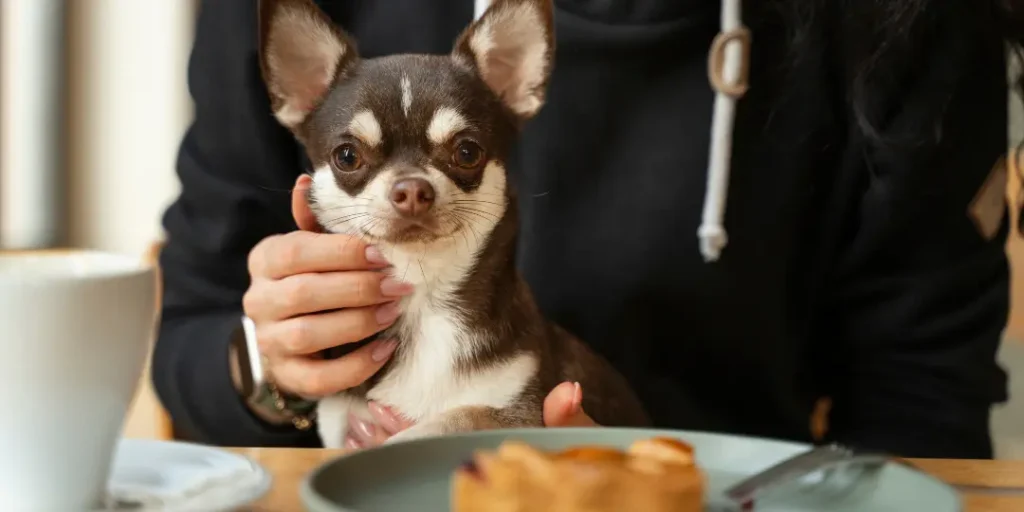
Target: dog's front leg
(332, 415)
(469, 419)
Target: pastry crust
(653, 475)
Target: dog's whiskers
(468, 224)
(272, 189)
(488, 216)
(475, 201)
(419, 261)
(459, 226)
(478, 193)
(337, 221)
(333, 209)
(362, 227)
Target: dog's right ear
(302, 53)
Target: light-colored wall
(30, 164)
(129, 107)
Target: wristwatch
(256, 386)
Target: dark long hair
(881, 43)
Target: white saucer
(182, 477)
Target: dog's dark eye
(346, 158)
(468, 154)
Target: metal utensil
(841, 467)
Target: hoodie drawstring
(479, 6)
(728, 69)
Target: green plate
(414, 475)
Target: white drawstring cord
(728, 64)
(727, 70)
(479, 6)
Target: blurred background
(93, 104)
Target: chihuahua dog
(408, 153)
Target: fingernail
(387, 313)
(352, 444)
(383, 350)
(364, 428)
(383, 416)
(577, 398)
(373, 255)
(391, 287)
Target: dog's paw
(332, 419)
(331, 430)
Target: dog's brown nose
(412, 196)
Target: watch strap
(259, 390)
(301, 412)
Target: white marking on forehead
(406, 95)
(446, 122)
(365, 127)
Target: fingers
(387, 419)
(563, 407)
(369, 433)
(301, 212)
(364, 433)
(315, 378)
(301, 252)
(269, 300)
(311, 291)
(308, 334)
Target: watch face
(241, 363)
(252, 350)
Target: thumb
(301, 212)
(563, 407)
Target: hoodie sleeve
(236, 166)
(918, 306)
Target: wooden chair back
(147, 418)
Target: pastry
(653, 475)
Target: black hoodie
(853, 268)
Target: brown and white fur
(408, 153)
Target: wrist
(253, 384)
(284, 407)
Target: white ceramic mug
(75, 327)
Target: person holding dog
(864, 264)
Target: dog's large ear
(511, 47)
(302, 53)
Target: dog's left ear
(512, 47)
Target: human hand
(312, 291)
(563, 407)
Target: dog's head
(407, 148)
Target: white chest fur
(423, 382)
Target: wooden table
(989, 486)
